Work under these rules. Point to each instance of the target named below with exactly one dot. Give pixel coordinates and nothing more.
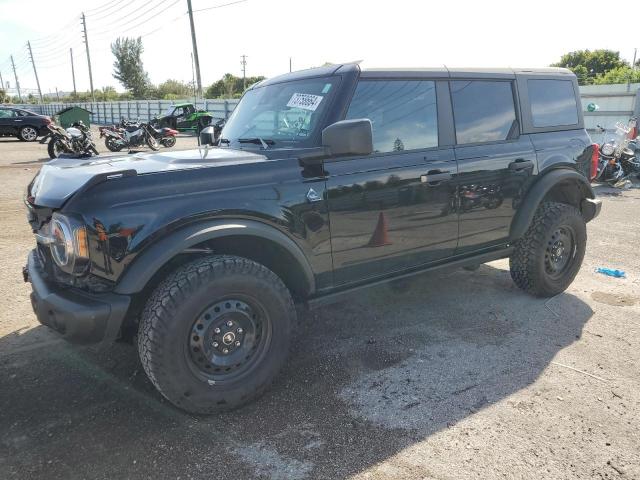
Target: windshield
(283, 115)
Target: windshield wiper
(258, 141)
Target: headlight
(68, 244)
(608, 149)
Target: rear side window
(483, 111)
(403, 113)
(553, 103)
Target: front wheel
(548, 257)
(55, 148)
(215, 333)
(153, 143)
(112, 144)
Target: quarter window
(553, 103)
(403, 113)
(483, 111)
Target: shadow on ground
(367, 378)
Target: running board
(336, 296)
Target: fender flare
(536, 194)
(150, 260)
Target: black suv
(23, 124)
(322, 182)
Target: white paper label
(306, 101)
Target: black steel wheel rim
(228, 339)
(560, 251)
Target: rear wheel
(28, 134)
(168, 142)
(215, 333)
(547, 259)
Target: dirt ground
(451, 375)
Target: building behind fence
(616, 103)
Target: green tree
(174, 89)
(622, 74)
(588, 64)
(229, 86)
(3, 96)
(398, 146)
(128, 68)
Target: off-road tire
(152, 143)
(527, 262)
(112, 144)
(167, 320)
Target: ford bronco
(322, 182)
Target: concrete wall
(105, 113)
(617, 103)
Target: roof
(184, 104)
(437, 72)
(71, 108)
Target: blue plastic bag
(611, 272)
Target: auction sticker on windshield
(305, 101)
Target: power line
(219, 6)
(117, 24)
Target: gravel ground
(454, 375)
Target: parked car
(324, 181)
(23, 124)
(184, 117)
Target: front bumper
(590, 208)
(78, 316)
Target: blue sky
(408, 33)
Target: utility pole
(73, 73)
(15, 75)
(193, 79)
(289, 64)
(195, 49)
(57, 94)
(35, 72)
(86, 43)
(1, 82)
(244, 72)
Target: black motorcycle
(131, 135)
(75, 140)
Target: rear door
(393, 210)
(495, 162)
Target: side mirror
(349, 137)
(207, 136)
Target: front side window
(284, 115)
(553, 103)
(483, 111)
(403, 113)
(5, 113)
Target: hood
(59, 179)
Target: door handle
(435, 176)
(520, 164)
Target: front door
(495, 162)
(7, 119)
(394, 210)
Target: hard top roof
(437, 72)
